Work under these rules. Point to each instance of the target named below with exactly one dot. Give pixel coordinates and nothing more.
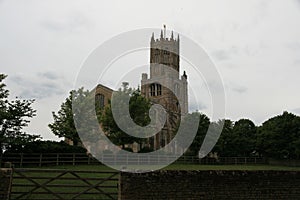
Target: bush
(146, 150)
(48, 147)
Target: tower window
(100, 100)
(155, 89)
(166, 52)
(156, 52)
(156, 55)
(152, 90)
(158, 89)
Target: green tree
(40, 146)
(237, 139)
(204, 122)
(244, 133)
(138, 109)
(279, 137)
(63, 124)
(14, 116)
(225, 145)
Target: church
(163, 86)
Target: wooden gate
(51, 184)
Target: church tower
(165, 69)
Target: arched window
(156, 55)
(158, 89)
(155, 89)
(152, 90)
(166, 51)
(100, 100)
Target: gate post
(6, 181)
(119, 186)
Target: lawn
(229, 167)
(186, 167)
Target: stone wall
(211, 185)
(5, 183)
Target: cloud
(236, 87)
(295, 46)
(193, 106)
(297, 62)
(221, 55)
(296, 110)
(41, 92)
(39, 86)
(49, 75)
(76, 22)
(226, 54)
(239, 89)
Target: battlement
(163, 38)
(170, 43)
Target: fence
(44, 159)
(21, 160)
(64, 184)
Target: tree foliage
(14, 116)
(244, 131)
(279, 137)
(138, 109)
(225, 145)
(40, 146)
(203, 125)
(63, 121)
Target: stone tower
(164, 82)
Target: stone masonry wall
(210, 185)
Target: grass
(184, 167)
(229, 167)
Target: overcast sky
(255, 46)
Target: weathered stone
(165, 87)
(211, 185)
